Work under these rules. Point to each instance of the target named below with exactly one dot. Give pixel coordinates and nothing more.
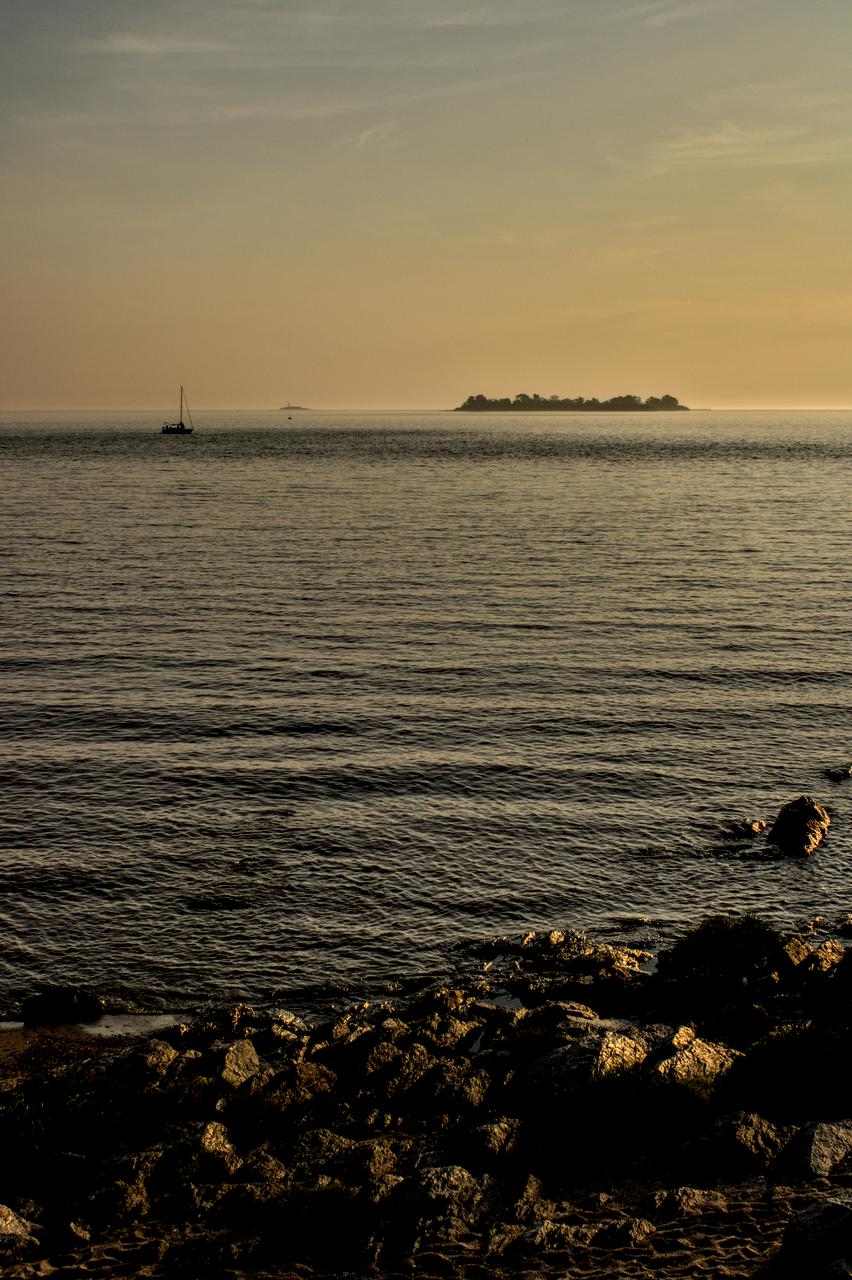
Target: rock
(686, 1202)
(796, 951)
(547, 1234)
(722, 953)
(240, 1063)
(451, 1187)
(817, 1149)
(15, 1233)
(800, 827)
(838, 773)
(553, 1023)
(216, 1143)
(498, 1138)
(741, 1145)
(827, 955)
(158, 1057)
(626, 1233)
(618, 1054)
(745, 828)
(697, 1067)
(54, 1006)
(816, 1236)
(759, 1138)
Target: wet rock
(745, 828)
(55, 1006)
(838, 773)
(800, 827)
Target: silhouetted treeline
(616, 404)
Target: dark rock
(800, 827)
(838, 773)
(817, 1236)
(797, 1072)
(723, 952)
(55, 1006)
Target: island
(286, 407)
(536, 403)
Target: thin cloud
(656, 14)
(385, 134)
(128, 43)
(733, 146)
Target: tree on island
(526, 403)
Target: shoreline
(571, 1107)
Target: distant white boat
(179, 428)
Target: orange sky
(398, 203)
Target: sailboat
(179, 428)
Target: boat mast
(180, 413)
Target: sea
(314, 705)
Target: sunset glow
(400, 203)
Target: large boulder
(801, 826)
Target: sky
(399, 203)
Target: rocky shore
(572, 1108)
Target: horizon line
(770, 408)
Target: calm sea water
(288, 703)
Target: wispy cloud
(655, 14)
(735, 146)
(385, 134)
(134, 44)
